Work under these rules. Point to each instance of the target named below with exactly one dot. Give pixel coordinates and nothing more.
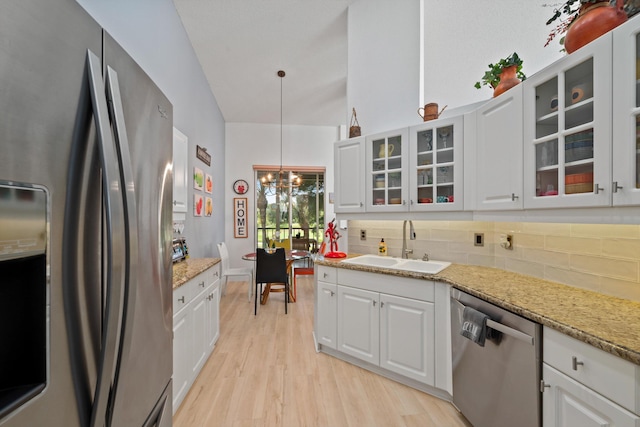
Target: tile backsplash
(599, 257)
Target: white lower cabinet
(407, 337)
(358, 324)
(567, 403)
(326, 313)
(585, 386)
(196, 328)
(384, 320)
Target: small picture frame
(198, 179)
(198, 205)
(208, 206)
(208, 184)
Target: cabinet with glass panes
(626, 114)
(567, 130)
(435, 165)
(386, 182)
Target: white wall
(384, 63)
(463, 37)
(152, 33)
(250, 144)
(460, 39)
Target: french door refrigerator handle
(115, 231)
(114, 101)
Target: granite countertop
(608, 323)
(190, 268)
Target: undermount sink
(419, 266)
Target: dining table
(291, 256)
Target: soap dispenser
(382, 248)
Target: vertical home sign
(240, 217)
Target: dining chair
(228, 271)
(300, 271)
(271, 268)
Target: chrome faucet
(412, 236)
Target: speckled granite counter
(608, 323)
(189, 268)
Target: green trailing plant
(492, 75)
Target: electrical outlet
(363, 234)
(506, 241)
(478, 239)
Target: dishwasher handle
(505, 329)
(510, 331)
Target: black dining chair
(271, 268)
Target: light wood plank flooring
(264, 371)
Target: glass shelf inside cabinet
(547, 108)
(578, 94)
(578, 162)
(547, 168)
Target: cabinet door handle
(201, 284)
(332, 293)
(361, 204)
(325, 275)
(543, 386)
(616, 187)
(374, 303)
(575, 363)
(514, 197)
(181, 300)
(404, 202)
(381, 304)
(597, 189)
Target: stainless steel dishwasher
(496, 385)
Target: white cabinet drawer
(185, 293)
(611, 376)
(182, 296)
(327, 274)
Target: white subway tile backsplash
(600, 257)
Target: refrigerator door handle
(116, 111)
(115, 230)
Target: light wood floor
(264, 371)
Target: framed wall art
(198, 179)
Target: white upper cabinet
(626, 114)
(567, 130)
(348, 158)
(436, 165)
(180, 173)
(386, 180)
(498, 146)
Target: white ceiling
(242, 44)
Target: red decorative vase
(593, 20)
(508, 79)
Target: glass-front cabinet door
(567, 130)
(435, 165)
(386, 180)
(626, 114)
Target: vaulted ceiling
(242, 44)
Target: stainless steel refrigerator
(85, 226)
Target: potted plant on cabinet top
(584, 21)
(503, 75)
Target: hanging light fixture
(285, 180)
